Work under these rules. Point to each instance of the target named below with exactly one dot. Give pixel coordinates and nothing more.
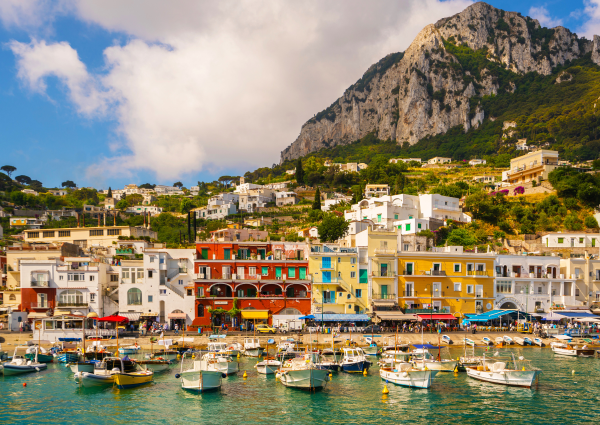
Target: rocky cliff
(426, 90)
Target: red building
(265, 279)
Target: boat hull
(412, 379)
(513, 378)
(574, 352)
(335, 367)
(155, 366)
(265, 368)
(20, 369)
(67, 357)
(132, 380)
(201, 380)
(305, 379)
(355, 367)
(371, 351)
(42, 358)
(129, 350)
(443, 366)
(82, 367)
(91, 380)
(253, 352)
(228, 368)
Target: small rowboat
(133, 379)
(538, 341)
(469, 342)
(508, 339)
(519, 340)
(68, 357)
(487, 341)
(446, 339)
(528, 341)
(500, 342)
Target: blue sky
(104, 95)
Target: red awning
(434, 316)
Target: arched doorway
(509, 306)
(296, 291)
(220, 290)
(177, 317)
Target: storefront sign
(220, 302)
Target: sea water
(52, 396)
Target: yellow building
(531, 166)
(87, 236)
(446, 279)
(382, 246)
(339, 285)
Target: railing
(408, 272)
(386, 251)
(409, 293)
(78, 268)
(384, 296)
(388, 273)
(39, 283)
(124, 251)
(40, 305)
(172, 288)
(446, 208)
(426, 310)
(163, 281)
(69, 304)
(437, 272)
(477, 273)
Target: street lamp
(431, 309)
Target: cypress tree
(109, 195)
(317, 203)
(299, 172)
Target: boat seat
(498, 366)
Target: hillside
(456, 73)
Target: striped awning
(132, 316)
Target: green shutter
(227, 254)
(291, 271)
(407, 227)
(363, 276)
(265, 271)
(205, 253)
(303, 273)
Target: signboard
(220, 302)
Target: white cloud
(541, 14)
(223, 86)
(591, 25)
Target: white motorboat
(487, 341)
(196, 377)
(519, 340)
(83, 366)
(389, 360)
(105, 371)
(423, 358)
(504, 370)
(406, 375)
(19, 364)
(234, 348)
(572, 350)
(508, 340)
(302, 373)
(395, 349)
(131, 349)
(446, 339)
(220, 362)
(268, 366)
(354, 360)
(527, 341)
(538, 341)
(288, 350)
(224, 348)
(252, 347)
(469, 342)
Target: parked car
(262, 328)
(372, 329)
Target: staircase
(110, 306)
(172, 288)
(348, 288)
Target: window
(113, 232)
(469, 267)
(162, 291)
(92, 298)
(406, 247)
(580, 239)
(92, 278)
(252, 271)
(352, 260)
(180, 282)
(456, 267)
(339, 259)
(469, 289)
(76, 277)
(150, 274)
(457, 287)
(190, 292)
(291, 272)
(407, 227)
(140, 274)
(97, 232)
(576, 292)
(200, 312)
(70, 297)
(48, 234)
(264, 271)
(339, 274)
(353, 275)
(134, 296)
(33, 234)
(302, 273)
(378, 218)
(395, 216)
(561, 240)
(149, 298)
(152, 258)
(113, 277)
(504, 287)
(419, 225)
(125, 273)
(60, 277)
(200, 291)
(64, 233)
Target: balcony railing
(72, 304)
(427, 310)
(40, 305)
(382, 251)
(384, 296)
(124, 251)
(408, 272)
(477, 273)
(409, 294)
(379, 273)
(39, 283)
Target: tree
(590, 222)
(461, 237)
(23, 179)
(317, 203)
(36, 185)
(299, 172)
(122, 205)
(178, 184)
(147, 186)
(332, 228)
(109, 194)
(572, 222)
(185, 206)
(8, 169)
(70, 184)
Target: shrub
(590, 222)
(572, 222)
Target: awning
(557, 315)
(37, 316)
(587, 320)
(438, 316)
(61, 312)
(149, 315)
(92, 314)
(395, 315)
(342, 317)
(255, 314)
(133, 317)
(176, 316)
(384, 303)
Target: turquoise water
(52, 396)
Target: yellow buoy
(178, 356)
(523, 369)
(245, 375)
(193, 356)
(385, 390)
(238, 356)
(365, 372)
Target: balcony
(386, 274)
(386, 251)
(482, 273)
(446, 208)
(40, 305)
(427, 310)
(125, 251)
(408, 272)
(409, 294)
(433, 272)
(72, 304)
(39, 283)
(384, 296)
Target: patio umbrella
(115, 319)
(309, 317)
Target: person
(176, 328)
(21, 327)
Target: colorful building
(244, 282)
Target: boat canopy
(496, 314)
(342, 318)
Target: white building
(167, 190)
(30, 192)
(58, 192)
(439, 160)
(571, 240)
(533, 284)
(376, 190)
(405, 160)
(475, 162)
(522, 145)
(140, 209)
(219, 207)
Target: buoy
(365, 372)
(238, 356)
(523, 369)
(245, 375)
(573, 372)
(193, 356)
(24, 384)
(178, 356)
(385, 390)
(330, 375)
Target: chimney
(104, 217)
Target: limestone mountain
(433, 86)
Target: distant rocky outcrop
(425, 91)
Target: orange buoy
(24, 384)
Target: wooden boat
(302, 373)
(67, 357)
(446, 339)
(504, 370)
(220, 362)
(105, 371)
(422, 358)
(252, 347)
(268, 366)
(43, 356)
(131, 349)
(156, 364)
(527, 341)
(19, 364)
(406, 375)
(354, 360)
(573, 350)
(469, 342)
(83, 366)
(133, 379)
(487, 341)
(196, 377)
(519, 340)
(507, 339)
(538, 341)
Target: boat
(566, 349)
(67, 357)
(538, 341)
(505, 370)
(527, 341)
(164, 354)
(328, 361)
(3, 354)
(507, 339)
(83, 366)
(519, 340)
(406, 375)
(105, 371)
(220, 362)
(422, 358)
(19, 364)
(133, 379)
(372, 349)
(252, 347)
(234, 348)
(500, 342)
(288, 350)
(43, 356)
(469, 342)
(446, 339)
(155, 364)
(267, 366)
(218, 347)
(302, 372)
(130, 349)
(196, 377)
(354, 360)
(388, 360)
(66, 351)
(487, 341)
